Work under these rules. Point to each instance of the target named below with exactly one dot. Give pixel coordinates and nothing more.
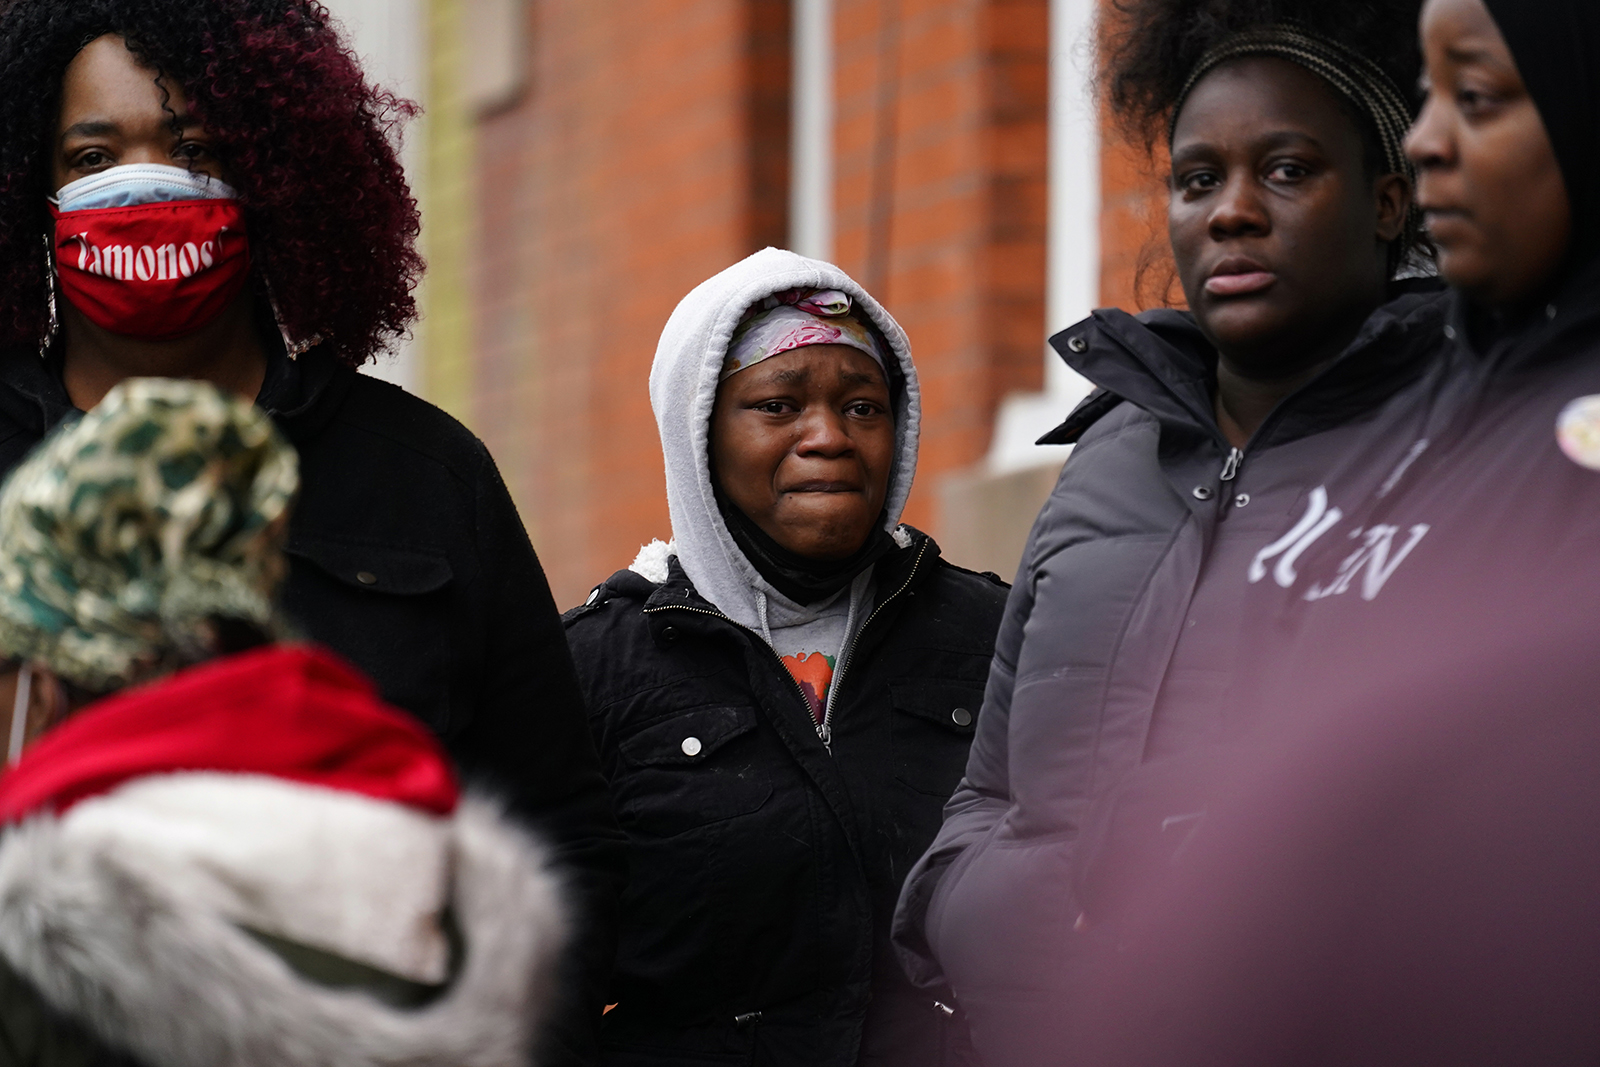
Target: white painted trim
(1072, 287)
(389, 38)
(811, 131)
(1073, 271)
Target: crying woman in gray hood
(783, 693)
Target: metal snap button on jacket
(367, 578)
(961, 717)
(1202, 492)
(691, 746)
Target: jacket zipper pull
(1230, 468)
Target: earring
(53, 326)
(295, 349)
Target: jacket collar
(32, 395)
(1528, 340)
(1161, 362)
(899, 572)
(301, 395)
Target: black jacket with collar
(764, 866)
(1125, 634)
(407, 558)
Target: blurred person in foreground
(783, 696)
(1126, 640)
(1407, 879)
(209, 189)
(218, 848)
(1407, 874)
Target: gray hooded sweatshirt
(683, 390)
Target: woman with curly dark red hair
(209, 189)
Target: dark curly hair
(308, 143)
(1147, 49)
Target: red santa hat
(273, 788)
(290, 712)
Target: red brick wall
(1136, 269)
(1135, 258)
(650, 150)
(941, 193)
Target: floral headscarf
(793, 319)
(125, 531)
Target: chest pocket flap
(688, 738)
(931, 731)
(382, 608)
(951, 705)
(701, 766)
(378, 568)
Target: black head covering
(1556, 44)
(802, 580)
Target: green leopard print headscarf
(127, 529)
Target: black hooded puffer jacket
(765, 866)
(1124, 634)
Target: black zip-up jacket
(407, 558)
(764, 868)
(1124, 635)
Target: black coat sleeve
(529, 740)
(31, 1035)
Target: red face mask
(156, 271)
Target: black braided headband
(1357, 78)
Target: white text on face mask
(146, 263)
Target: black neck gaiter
(802, 580)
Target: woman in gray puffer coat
(1198, 476)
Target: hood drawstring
(761, 614)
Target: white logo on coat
(1374, 560)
